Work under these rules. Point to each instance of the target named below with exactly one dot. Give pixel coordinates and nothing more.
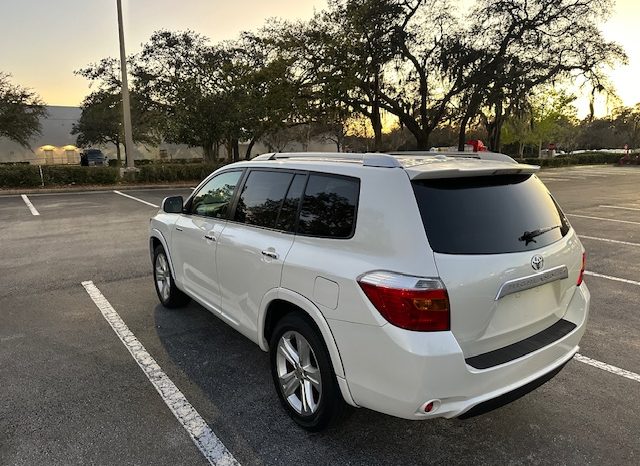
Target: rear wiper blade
(529, 236)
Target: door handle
(271, 254)
(178, 229)
(210, 237)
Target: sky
(43, 41)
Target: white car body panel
(378, 365)
(246, 274)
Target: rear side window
(329, 207)
(488, 215)
(261, 198)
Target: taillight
(412, 303)
(584, 265)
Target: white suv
(417, 285)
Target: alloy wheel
(298, 373)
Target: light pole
(126, 106)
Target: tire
(168, 293)
(314, 375)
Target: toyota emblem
(537, 262)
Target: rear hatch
(505, 252)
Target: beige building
(56, 144)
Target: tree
(549, 117)
(380, 55)
(100, 121)
(101, 118)
(214, 94)
(20, 112)
(626, 121)
(172, 75)
(530, 43)
(340, 57)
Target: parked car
(419, 286)
(93, 157)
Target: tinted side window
(329, 206)
(213, 199)
(261, 197)
(289, 212)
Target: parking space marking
(619, 207)
(605, 219)
(606, 240)
(608, 277)
(135, 199)
(205, 439)
(607, 367)
(26, 200)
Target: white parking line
(605, 219)
(606, 240)
(608, 367)
(201, 434)
(26, 200)
(608, 277)
(135, 199)
(618, 207)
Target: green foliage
(548, 117)
(586, 158)
(417, 60)
(175, 172)
(101, 119)
(28, 176)
(66, 175)
(531, 43)
(19, 176)
(20, 112)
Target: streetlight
(126, 106)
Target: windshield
(489, 214)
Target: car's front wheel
(303, 374)
(168, 293)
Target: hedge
(28, 176)
(19, 176)
(586, 158)
(175, 172)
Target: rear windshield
(489, 214)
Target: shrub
(175, 172)
(28, 176)
(586, 158)
(19, 176)
(64, 175)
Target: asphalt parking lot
(71, 392)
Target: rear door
(505, 252)
(256, 241)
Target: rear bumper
(398, 372)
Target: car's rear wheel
(303, 374)
(168, 293)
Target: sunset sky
(44, 41)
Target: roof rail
(432, 153)
(367, 159)
(387, 160)
(484, 155)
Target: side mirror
(172, 205)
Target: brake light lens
(412, 303)
(584, 266)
